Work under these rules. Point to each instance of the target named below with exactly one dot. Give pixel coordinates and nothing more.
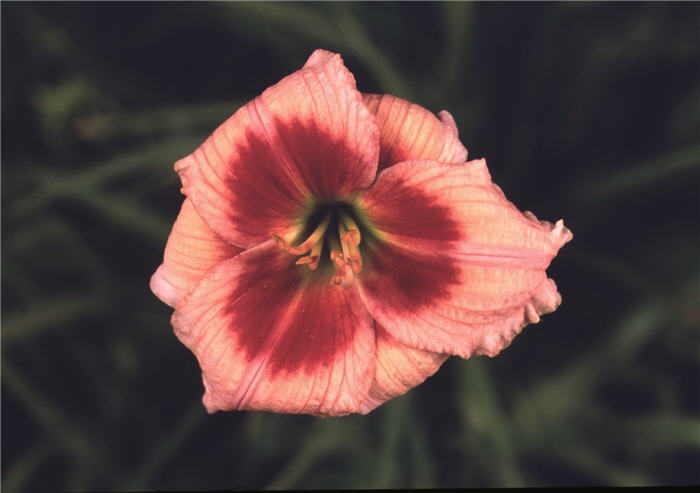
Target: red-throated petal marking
(465, 277)
(267, 339)
(309, 136)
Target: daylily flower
(335, 248)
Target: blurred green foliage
(584, 111)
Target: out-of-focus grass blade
(557, 397)
(50, 313)
(128, 213)
(482, 414)
(341, 30)
(160, 154)
(592, 462)
(167, 446)
(662, 431)
(423, 468)
(153, 121)
(23, 286)
(297, 17)
(24, 468)
(635, 178)
(328, 436)
(53, 230)
(393, 423)
(72, 440)
(457, 18)
(358, 42)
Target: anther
(352, 232)
(339, 265)
(355, 259)
(338, 260)
(281, 243)
(342, 246)
(312, 240)
(312, 259)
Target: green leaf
(50, 314)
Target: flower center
(330, 237)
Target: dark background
(586, 111)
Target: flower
(335, 248)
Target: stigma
(337, 236)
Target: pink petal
(399, 369)
(308, 135)
(267, 340)
(192, 250)
(461, 270)
(409, 132)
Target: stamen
(352, 234)
(342, 233)
(355, 259)
(282, 243)
(350, 250)
(313, 259)
(338, 261)
(339, 264)
(312, 240)
(342, 244)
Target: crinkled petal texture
(310, 135)
(450, 266)
(409, 132)
(267, 339)
(399, 369)
(191, 251)
(459, 269)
